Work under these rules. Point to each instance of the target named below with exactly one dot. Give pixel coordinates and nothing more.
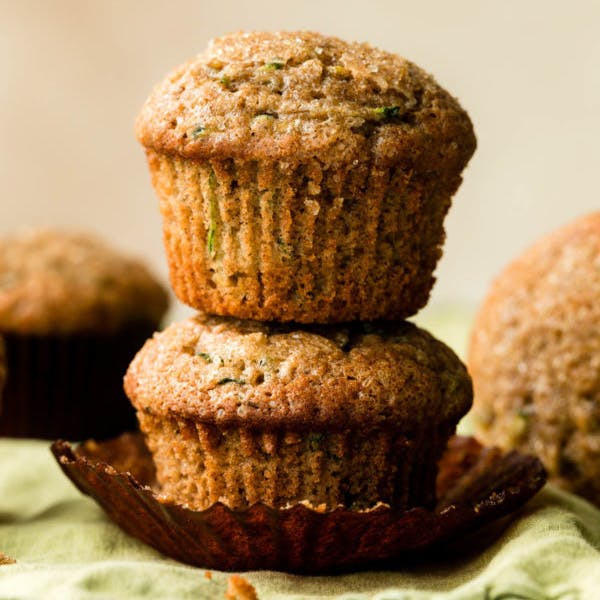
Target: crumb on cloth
(6, 560)
(239, 588)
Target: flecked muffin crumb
(535, 357)
(226, 371)
(63, 282)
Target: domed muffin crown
(284, 95)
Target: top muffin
(60, 282)
(303, 178)
(296, 94)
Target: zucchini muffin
(73, 313)
(535, 357)
(243, 412)
(303, 178)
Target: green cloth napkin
(66, 549)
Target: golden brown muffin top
(56, 282)
(295, 95)
(555, 284)
(227, 371)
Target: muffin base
(199, 464)
(69, 386)
(301, 242)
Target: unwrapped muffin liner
(275, 241)
(475, 486)
(69, 386)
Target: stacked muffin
(301, 179)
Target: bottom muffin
(243, 412)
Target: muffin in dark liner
(73, 311)
(475, 486)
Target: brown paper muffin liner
(69, 386)
(200, 464)
(475, 486)
(274, 241)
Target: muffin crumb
(6, 560)
(239, 588)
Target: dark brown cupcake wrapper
(476, 485)
(69, 386)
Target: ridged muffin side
(242, 412)
(303, 178)
(299, 242)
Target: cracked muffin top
(294, 95)
(63, 282)
(227, 371)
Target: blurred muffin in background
(73, 313)
(535, 357)
(243, 412)
(303, 178)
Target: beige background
(74, 73)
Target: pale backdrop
(73, 74)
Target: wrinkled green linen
(66, 549)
